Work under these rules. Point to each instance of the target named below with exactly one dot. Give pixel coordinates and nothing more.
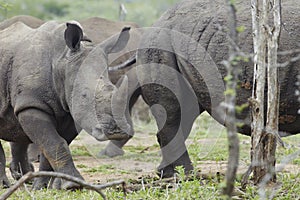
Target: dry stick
(288, 52)
(81, 182)
(230, 99)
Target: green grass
(77, 150)
(206, 143)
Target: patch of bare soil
(141, 163)
(130, 166)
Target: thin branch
(230, 101)
(289, 52)
(287, 63)
(80, 182)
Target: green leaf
(240, 29)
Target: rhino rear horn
(73, 35)
(117, 45)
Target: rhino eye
(85, 93)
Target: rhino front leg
(20, 164)
(68, 132)
(40, 128)
(3, 178)
(114, 148)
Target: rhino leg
(20, 164)
(42, 182)
(171, 139)
(114, 148)
(4, 182)
(68, 132)
(41, 129)
(173, 128)
(33, 153)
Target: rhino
(98, 29)
(54, 83)
(30, 21)
(181, 74)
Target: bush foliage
(144, 12)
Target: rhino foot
(111, 152)
(169, 171)
(41, 183)
(69, 185)
(4, 182)
(56, 184)
(17, 172)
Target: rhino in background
(180, 72)
(52, 81)
(30, 21)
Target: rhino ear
(116, 45)
(73, 35)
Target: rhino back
(30, 21)
(28, 60)
(99, 29)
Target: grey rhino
(98, 29)
(180, 71)
(52, 82)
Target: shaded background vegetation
(143, 12)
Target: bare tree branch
(80, 182)
(289, 52)
(230, 102)
(287, 63)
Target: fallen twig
(80, 182)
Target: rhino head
(82, 82)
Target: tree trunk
(264, 139)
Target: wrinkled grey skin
(185, 51)
(14, 166)
(94, 29)
(97, 29)
(44, 92)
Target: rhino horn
(114, 45)
(120, 103)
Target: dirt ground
(142, 156)
(141, 161)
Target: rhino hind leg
(173, 130)
(20, 164)
(172, 142)
(4, 182)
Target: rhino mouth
(103, 132)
